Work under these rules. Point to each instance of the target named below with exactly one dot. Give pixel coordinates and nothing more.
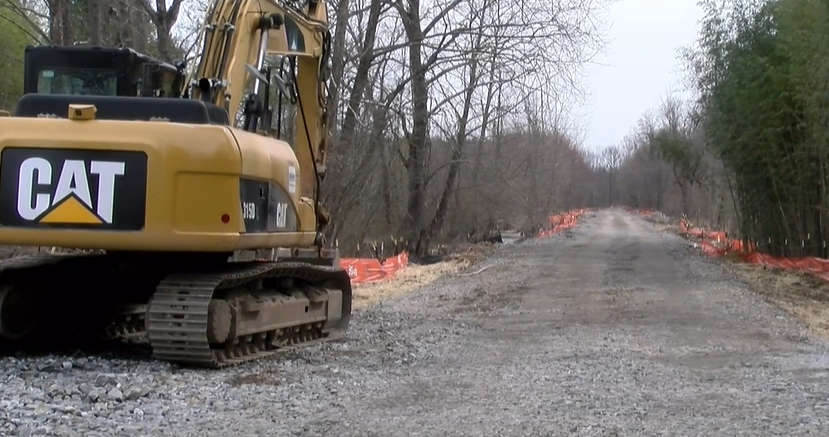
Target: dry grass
(470, 254)
(415, 276)
(802, 295)
(405, 281)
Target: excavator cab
(98, 71)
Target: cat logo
(60, 188)
(281, 215)
(71, 201)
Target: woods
(447, 142)
(761, 78)
(747, 152)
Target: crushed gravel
(611, 329)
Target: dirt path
(613, 329)
(617, 330)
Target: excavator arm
(237, 36)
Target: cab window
(167, 85)
(77, 82)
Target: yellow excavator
(166, 198)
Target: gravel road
(613, 329)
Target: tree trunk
(93, 20)
(436, 226)
(163, 18)
(61, 31)
(338, 59)
(415, 159)
(361, 77)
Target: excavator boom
(237, 37)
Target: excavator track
(188, 324)
(126, 322)
(246, 311)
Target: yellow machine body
(193, 177)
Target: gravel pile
(611, 329)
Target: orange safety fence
(362, 270)
(561, 222)
(369, 269)
(642, 212)
(715, 243)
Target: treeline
(665, 164)
(450, 121)
(749, 152)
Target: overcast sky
(638, 67)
